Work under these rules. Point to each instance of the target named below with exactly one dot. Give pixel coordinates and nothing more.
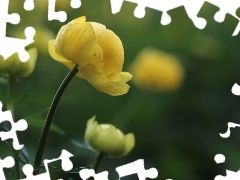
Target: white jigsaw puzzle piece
(75, 4)
(236, 89)
(87, 173)
(192, 8)
(66, 164)
(7, 162)
(231, 175)
(137, 167)
(29, 5)
(20, 125)
(10, 45)
(60, 15)
(230, 125)
(28, 171)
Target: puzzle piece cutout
(220, 158)
(236, 89)
(29, 5)
(164, 6)
(137, 167)
(10, 45)
(227, 7)
(7, 162)
(87, 173)
(227, 22)
(20, 125)
(230, 125)
(192, 8)
(60, 15)
(230, 175)
(66, 165)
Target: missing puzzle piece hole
(116, 6)
(14, 18)
(219, 16)
(165, 19)
(29, 33)
(139, 12)
(200, 23)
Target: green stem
(48, 121)
(18, 167)
(97, 163)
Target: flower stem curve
(48, 121)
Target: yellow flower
(98, 52)
(157, 70)
(18, 68)
(108, 139)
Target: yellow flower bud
(17, 67)
(98, 52)
(156, 70)
(108, 139)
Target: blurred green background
(176, 132)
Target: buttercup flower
(108, 139)
(98, 52)
(18, 68)
(157, 70)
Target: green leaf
(36, 120)
(83, 145)
(38, 114)
(16, 156)
(22, 94)
(25, 154)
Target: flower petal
(77, 42)
(109, 140)
(60, 58)
(92, 126)
(81, 19)
(99, 81)
(113, 53)
(129, 143)
(121, 77)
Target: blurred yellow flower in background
(108, 139)
(17, 67)
(98, 52)
(41, 38)
(156, 70)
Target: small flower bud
(17, 67)
(108, 139)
